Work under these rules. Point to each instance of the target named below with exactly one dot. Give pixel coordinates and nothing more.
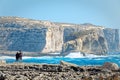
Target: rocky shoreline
(62, 71)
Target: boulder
(63, 63)
(110, 66)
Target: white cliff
(48, 37)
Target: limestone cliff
(88, 40)
(48, 37)
(112, 37)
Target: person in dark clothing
(17, 56)
(20, 55)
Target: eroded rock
(110, 66)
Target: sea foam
(81, 55)
(6, 57)
(70, 55)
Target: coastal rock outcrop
(49, 37)
(55, 72)
(110, 66)
(88, 41)
(112, 37)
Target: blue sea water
(72, 58)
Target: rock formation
(112, 37)
(64, 63)
(48, 37)
(110, 66)
(24, 71)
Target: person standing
(17, 56)
(20, 55)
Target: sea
(76, 58)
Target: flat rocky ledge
(62, 71)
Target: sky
(98, 12)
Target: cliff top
(37, 23)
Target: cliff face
(29, 35)
(47, 37)
(87, 40)
(112, 37)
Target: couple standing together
(19, 55)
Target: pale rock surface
(64, 63)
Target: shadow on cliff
(68, 34)
(29, 40)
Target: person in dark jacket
(20, 55)
(17, 56)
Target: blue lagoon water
(73, 58)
